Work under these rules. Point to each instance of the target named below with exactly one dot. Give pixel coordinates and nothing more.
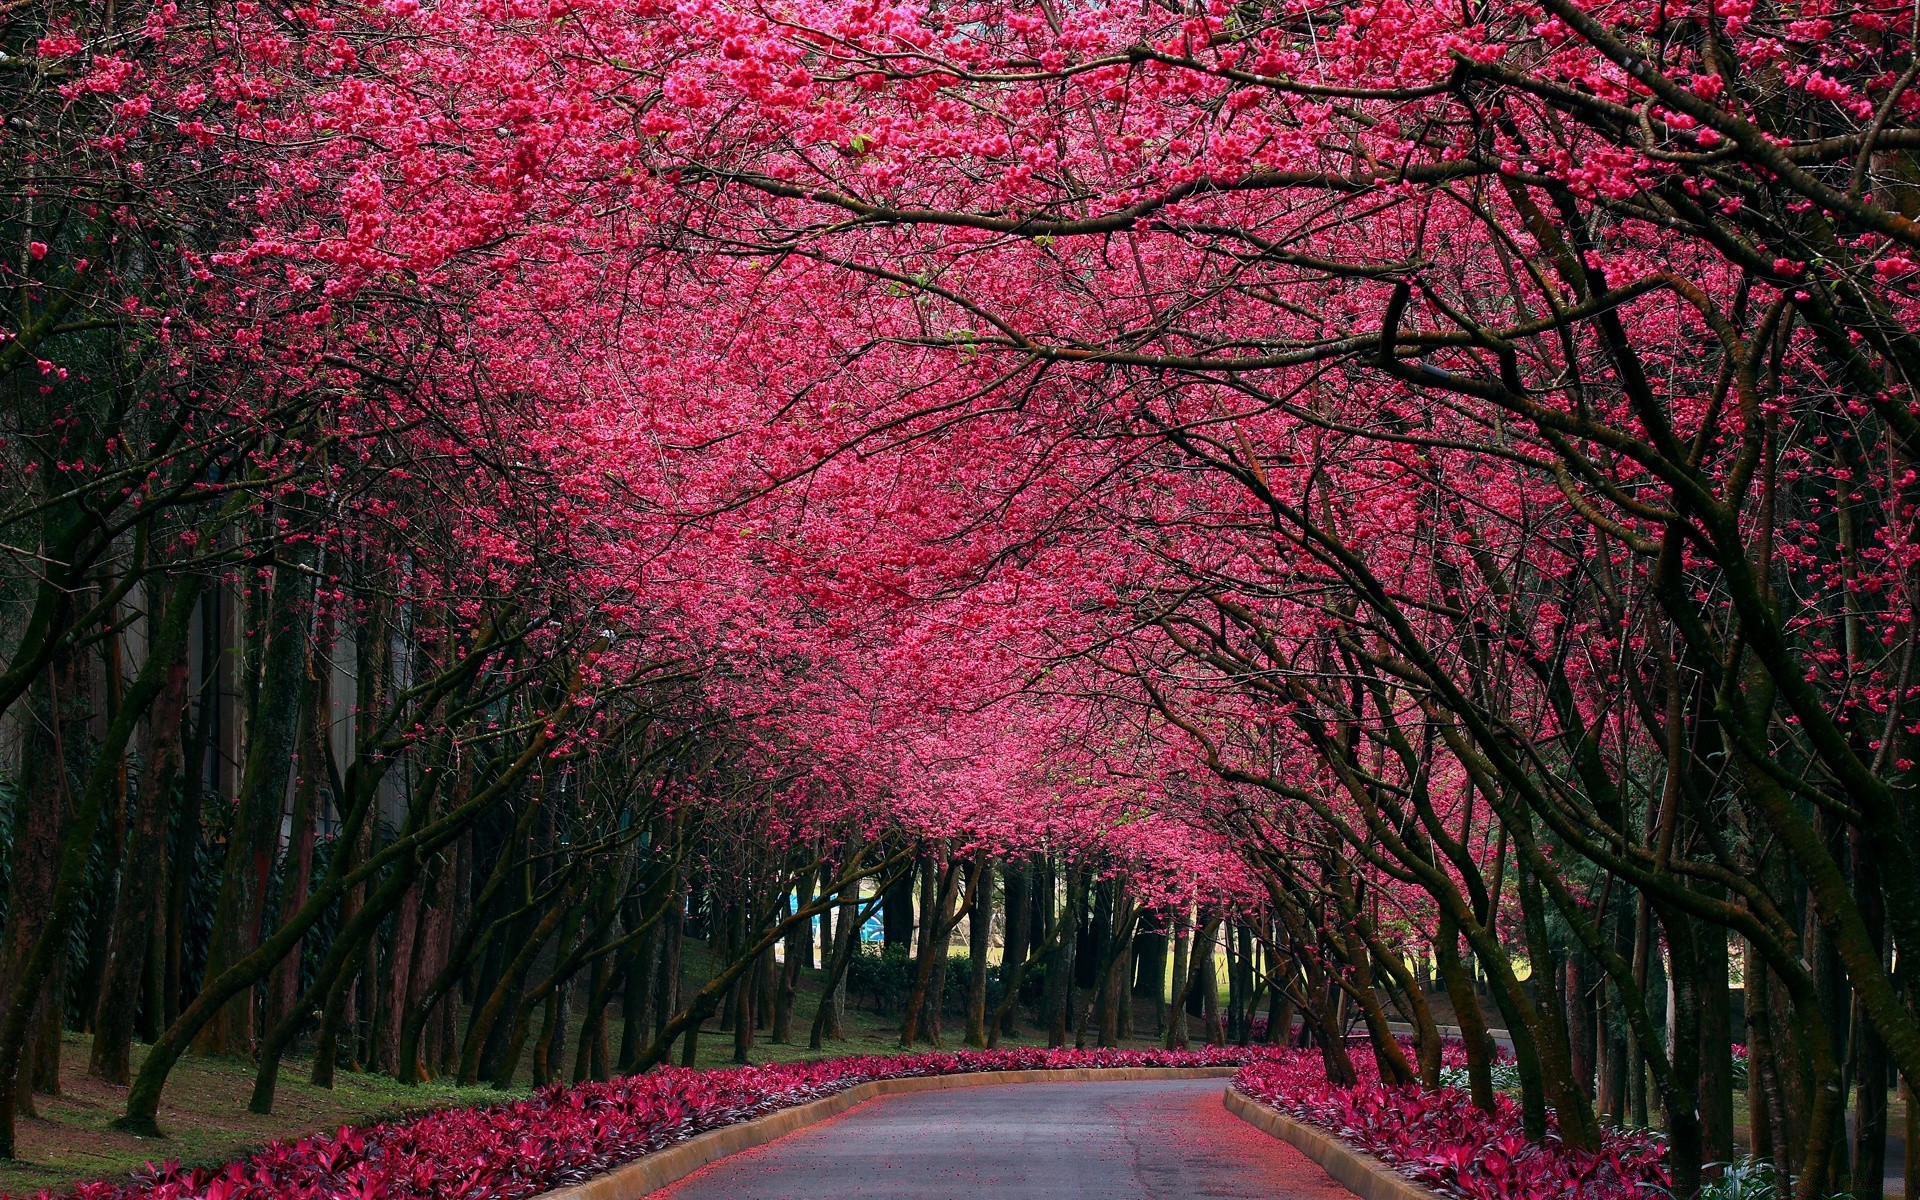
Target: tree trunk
(979, 935)
(27, 976)
(1019, 933)
(1117, 995)
(666, 984)
(1097, 947)
(896, 916)
(1209, 984)
(54, 730)
(1478, 1042)
(254, 842)
(1176, 1023)
(316, 705)
(846, 945)
(183, 855)
(940, 887)
(799, 949)
(1060, 966)
(135, 909)
(637, 998)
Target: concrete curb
(1362, 1174)
(655, 1171)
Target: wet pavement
(1156, 1140)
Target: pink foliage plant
(1439, 1139)
(563, 1135)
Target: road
(1155, 1140)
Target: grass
(204, 1114)
(204, 1111)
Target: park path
(1153, 1140)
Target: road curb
(1362, 1174)
(663, 1167)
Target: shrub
(880, 980)
(1506, 1076)
(1748, 1179)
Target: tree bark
(1019, 936)
(136, 907)
(254, 843)
(1176, 1033)
(979, 935)
(28, 975)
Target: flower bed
(565, 1135)
(1439, 1139)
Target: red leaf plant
(563, 1135)
(1439, 1139)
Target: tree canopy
(1381, 477)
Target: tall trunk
(922, 1019)
(183, 855)
(896, 916)
(1762, 1092)
(27, 976)
(1209, 984)
(337, 1011)
(1636, 1061)
(316, 705)
(459, 910)
(1177, 1011)
(55, 731)
(1060, 965)
(846, 945)
(820, 941)
(109, 859)
(1280, 1011)
(1097, 946)
(1716, 1046)
(1612, 1038)
(430, 953)
(1547, 1014)
(673, 936)
(547, 1045)
(765, 984)
(799, 949)
(1873, 1064)
(1466, 1013)
(1238, 977)
(1910, 1101)
(936, 1005)
(1577, 988)
(1019, 932)
(637, 997)
(748, 999)
(128, 949)
(1150, 969)
(851, 920)
(396, 980)
(254, 842)
(1117, 998)
(336, 1014)
(979, 934)
(505, 994)
(591, 1060)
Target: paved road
(1156, 1140)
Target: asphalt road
(1157, 1140)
